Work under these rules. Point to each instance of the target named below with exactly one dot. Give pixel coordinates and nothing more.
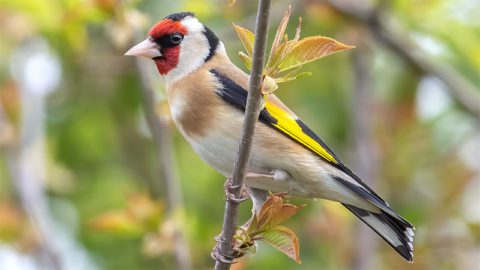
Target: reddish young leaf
(286, 212)
(283, 239)
(269, 209)
(275, 211)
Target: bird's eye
(176, 38)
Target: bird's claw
(229, 194)
(217, 253)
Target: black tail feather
(398, 233)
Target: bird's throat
(168, 60)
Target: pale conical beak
(146, 48)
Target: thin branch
(252, 111)
(464, 92)
(161, 134)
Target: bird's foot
(217, 254)
(229, 187)
(277, 175)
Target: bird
(207, 97)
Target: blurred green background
(81, 185)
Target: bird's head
(178, 45)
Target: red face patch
(170, 56)
(165, 27)
(168, 61)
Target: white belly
(217, 150)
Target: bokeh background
(85, 185)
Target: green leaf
(303, 74)
(246, 60)
(287, 54)
(277, 57)
(269, 85)
(292, 76)
(246, 37)
(285, 240)
(310, 49)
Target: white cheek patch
(221, 48)
(193, 51)
(192, 24)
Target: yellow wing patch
(289, 125)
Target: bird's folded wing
(294, 128)
(276, 115)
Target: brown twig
(252, 111)
(161, 135)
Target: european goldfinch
(207, 95)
